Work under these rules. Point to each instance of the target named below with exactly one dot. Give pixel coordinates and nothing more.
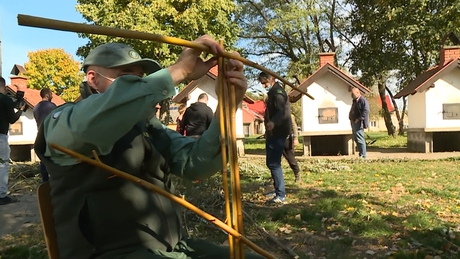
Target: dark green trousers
(189, 249)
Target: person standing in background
(359, 119)
(197, 117)
(41, 110)
(278, 127)
(181, 110)
(7, 116)
(289, 149)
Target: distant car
(299, 129)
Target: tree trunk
(386, 112)
(399, 115)
(403, 113)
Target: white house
(325, 126)
(23, 132)
(434, 106)
(207, 84)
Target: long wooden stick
(97, 163)
(223, 147)
(45, 23)
(235, 172)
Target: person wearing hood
(197, 117)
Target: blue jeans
(274, 148)
(358, 135)
(4, 164)
(44, 172)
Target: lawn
(392, 208)
(256, 145)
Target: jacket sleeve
(98, 121)
(294, 127)
(209, 117)
(183, 122)
(196, 158)
(11, 114)
(363, 110)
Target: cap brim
(148, 65)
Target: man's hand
(235, 77)
(295, 142)
(190, 65)
(269, 126)
(23, 106)
(356, 120)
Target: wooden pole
(223, 146)
(45, 23)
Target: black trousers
(289, 154)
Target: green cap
(111, 55)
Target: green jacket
(100, 216)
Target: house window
(373, 124)
(328, 115)
(451, 111)
(16, 128)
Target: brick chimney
(326, 57)
(18, 83)
(448, 53)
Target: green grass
(385, 141)
(255, 145)
(397, 208)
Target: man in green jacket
(99, 216)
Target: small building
(207, 84)
(253, 121)
(434, 106)
(23, 132)
(325, 126)
(376, 120)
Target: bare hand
(270, 126)
(190, 65)
(236, 78)
(295, 142)
(356, 120)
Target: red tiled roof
(257, 107)
(32, 96)
(390, 106)
(426, 79)
(250, 116)
(294, 96)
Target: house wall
(329, 91)
(417, 110)
(29, 130)
(208, 86)
(380, 123)
(22, 145)
(446, 90)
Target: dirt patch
(15, 216)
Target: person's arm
(294, 127)
(183, 122)
(11, 115)
(209, 115)
(97, 122)
(363, 109)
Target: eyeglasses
(106, 77)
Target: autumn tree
(397, 39)
(182, 19)
(288, 35)
(56, 70)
